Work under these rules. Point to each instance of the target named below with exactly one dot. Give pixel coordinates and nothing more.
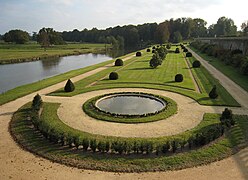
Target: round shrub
(188, 54)
(118, 62)
(154, 47)
(185, 50)
(177, 50)
(196, 64)
(179, 78)
(153, 51)
(69, 87)
(113, 76)
(138, 53)
(213, 93)
(148, 50)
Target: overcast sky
(32, 15)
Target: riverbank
(14, 53)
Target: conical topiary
(37, 102)
(69, 87)
(213, 93)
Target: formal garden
(41, 127)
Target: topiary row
(62, 134)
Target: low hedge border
(90, 109)
(24, 133)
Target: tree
(244, 28)
(177, 37)
(213, 93)
(223, 27)
(16, 36)
(37, 102)
(156, 60)
(48, 36)
(199, 28)
(162, 33)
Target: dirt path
(18, 164)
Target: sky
(66, 15)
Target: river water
(14, 75)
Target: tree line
(133, 36)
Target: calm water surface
(130, 104)
(13, 75)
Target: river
(14, 75)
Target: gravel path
(18, 164)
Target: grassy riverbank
(14, 53)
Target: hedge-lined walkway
(189, 115)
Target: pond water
(13, 75)
(130, 104)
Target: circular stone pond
(130, 104)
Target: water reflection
(130, 104)
(13, 75)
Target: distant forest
(133, 36)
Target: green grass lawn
(229, 71)
(137, 73)
(10, 52)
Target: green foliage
(177, 37)
(138, 54)
(69, 86)
(16, 36)
(227, 118)
(168, 46)
(148, 50)
(37, 102)
(188, 54)
(119, 62)
(156, 60)
(179, 78)
(47, 37)
(162, 52)
(213, 93)
(196, 64)
(113, 76)
(177, 50)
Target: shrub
(69, 87)
(85, 144)
(156, 60)
(185, 50)
(213, 93)
(148, 50)
(37, 102)
(153, 51)
(227, 118)
(118, 62)
(196, 64)
(244, 67)
(113, 76)
(177, 50)
(138, 53)
(93, 145)
(162, 52)
(179, 78)
(236, 51)
(165, 148)
(154, 47)
(188, 54)
(168, 46)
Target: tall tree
(224, 27)
(199, 28)
(17, 36)
(177, 37)
(162, 33)
(48, 36)
(244, 28)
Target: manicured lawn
(137, 73)
(229, 71)
(233, 141)
(10, 52)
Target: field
(10, 53)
